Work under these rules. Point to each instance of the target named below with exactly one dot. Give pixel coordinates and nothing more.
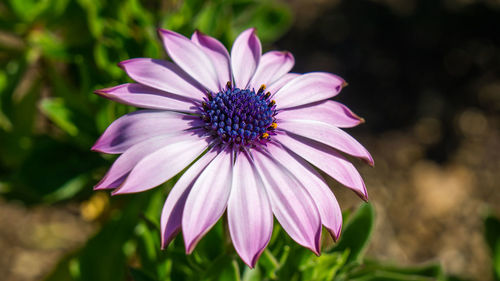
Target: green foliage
(492, 235)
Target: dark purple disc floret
(239, 116)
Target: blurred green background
(424, 74)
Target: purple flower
(248, 131)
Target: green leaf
(68, 190)
(371, 268)
(56, 110)
(269, 264)
(324, 267)
(492, 235)
(391, 276)
(357, 233)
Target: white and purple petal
(327, 159)
(272, 66)
(141, 125)
(249, 213)
(328, 207)
(292, 206)
(327, 134)
(308, 88)
(245, 57)
(163, 75)
(164, 163)
(127, 161)
(328, 111)
(278, 84)
(218, 54)
(207, 200)
(171, 216)
(191, 58)
(142, 96)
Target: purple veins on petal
(171, 216)
(207, 200)
(249, 213)
(292, 205)
(313, 182)
(163, 75)
(191, 58)
(218, 54)
(278, 84)
(331, 112)
(272, 66)
(329, 135)
(141, 125)
(318, 86)
(327, 159)
(164, 163)
(245, 57)
(127, 161)
(146, 97)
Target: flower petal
(328, 111)
(308, 88)
(171, 216)
(245, 57)
(272, 66)
(127, 161)
(166, 162)
(326, 159)
(207, 200)
(327, 134)
(141, 125)
(328, 207)
(249, 213)
(278, 84)
(218, 54)
(190, 58)
(142, 96)
(163, 75)
(290, 202)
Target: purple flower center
(239, 116)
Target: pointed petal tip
(365, 197)
(335, 234)
(122, 64)
(162, 31)
(252, 262)
(96, 148)
(97, 187)
(190, 242)
(345, 84)
(198, 32)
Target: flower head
(249, 132)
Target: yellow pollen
(265, 135)
(262, 87)
(273, 125)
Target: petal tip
(336, 234)
(190, 242)
(96, 148)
